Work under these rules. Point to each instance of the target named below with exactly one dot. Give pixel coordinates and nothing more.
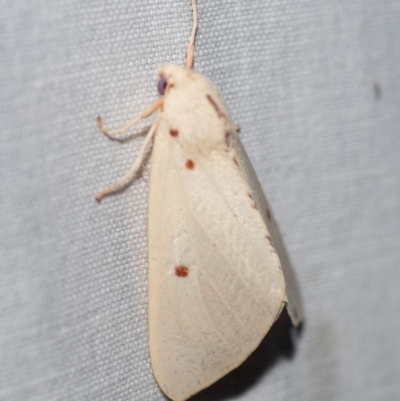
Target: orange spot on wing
(228, 139)
(189, 164)
(173, 132)
(270, 242)
(253, 204)
(181, 271)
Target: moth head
(174, 76)
(186, 91)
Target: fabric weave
(315, 88)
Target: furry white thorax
(194, 106)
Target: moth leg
(113, 133)
(132, 171)
(190, 50)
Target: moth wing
(294, 303)
(215, 280)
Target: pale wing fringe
(295, 307)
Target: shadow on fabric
(276, 344)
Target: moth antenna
(190, 50)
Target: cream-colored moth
(218, 274)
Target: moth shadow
(276, 344)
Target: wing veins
(230, 207)
(213, 242)
(207, 279)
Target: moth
(218, 274)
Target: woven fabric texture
(315, 88)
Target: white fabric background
(315, 87)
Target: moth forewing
(215, 282)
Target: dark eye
(162, 84)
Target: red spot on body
(181, 271)
(215, 106)
(268, 215)
(173, 132)
(189, 164)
